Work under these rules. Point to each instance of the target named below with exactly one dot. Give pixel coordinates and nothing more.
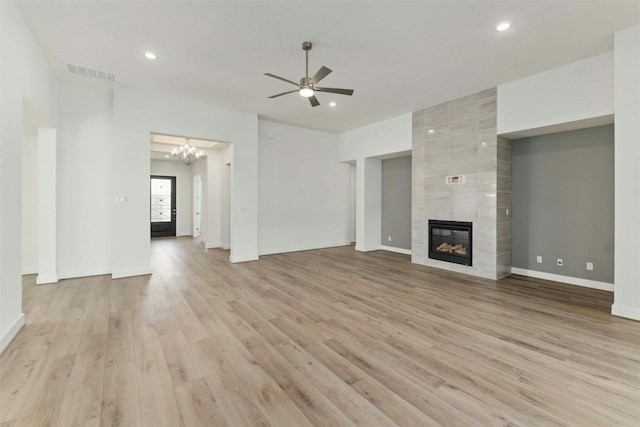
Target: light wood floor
(328, 337)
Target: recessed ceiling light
(503, 26)
(431, 131)
(167, 156)
(150, 55)
(332, 104)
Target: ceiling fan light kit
(307, 86)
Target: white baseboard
(243, 258)
(43, 279)
(11, 332)
(86, 272)
(603, 286)
(211, 245)
(225, 246)
(625, 311)
(302, 247)
(397, 250)
(130, 272)
(368, 248)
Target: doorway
(163, 206)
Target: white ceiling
(398, 56)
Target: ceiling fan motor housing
(306, 82)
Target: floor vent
(92, 73)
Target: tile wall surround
(459, 138)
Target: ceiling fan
(307, 86)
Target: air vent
(92, 73)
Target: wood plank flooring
(329, 337)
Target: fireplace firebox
(451, 241)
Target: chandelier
(187, 154)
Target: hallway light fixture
(187, 154)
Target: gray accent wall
(396, 202)
(563, 203)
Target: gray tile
(487, 136)
(436, 172)
(435, 185)
(463, 155)
(504, 168)
(436, 131)
(464, 126)
(463, 111)
(487, 152)
(435, 108)
(504, 199)
(463, 201)
(437, 158)
(487, 213)
(487, 199)
(487, 105)
(417, 137)
(436, 200)
(504, 245)
(486, 121)
(436, 119)
(463, 168)
(463, 100)
(488, 93)
(488, 166)
(434, 145)
(463, 214)
(503, 230)
(504, 152)
(501, 215)
(436, 212)
(504, 183)
(467, 140)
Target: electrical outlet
(560, 262)
(590, 266)
(539, 259)
(389, 238)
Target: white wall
(366, 146)
(352, 215)
(225, 198)
(24, 73)
(212, 200)
(184, 192)
(379, 139)
(29, 201)
(85, 201)
(368, 204)
(573, 93)
(199, 169)
(303, 191)
(136, 114)
(627, 178)
(47, 206)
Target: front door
(163, 206)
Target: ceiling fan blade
(280, 78)
(283, 93)
(334, 90)
(321, 74)
(314, 101)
